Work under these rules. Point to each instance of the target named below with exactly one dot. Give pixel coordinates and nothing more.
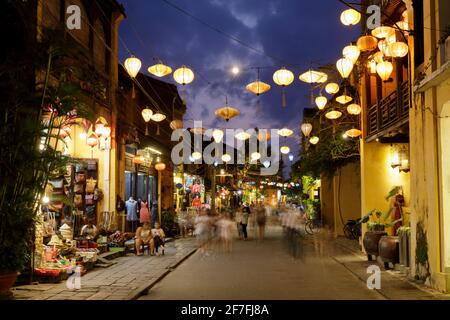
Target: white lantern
(345, 67)
(321, 102)
(350, 17)
(332, 88)
(132, 66)
(351, 53)
(314, 140)
(306, 129)
(398, 49)
(354, 109)
(384, 70)
(285, 149)
(183, 75)
(226, 158)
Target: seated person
(158, 238)
(143, 236)
(89, 231)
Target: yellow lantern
(258, 87)
(147, 114)
(332, 88)
(285, 149)
(285, 132)
(344, 99)
(350, 17)
(138, 160)
(196, 155)
(314, 140)
(383, 32)
(227, 113)
(160, 166)
(176, 124)
(132, 66)
(226, 158)
(354, 109)
(351, 53)
(345, 67)
(313, 76)
(283, 78)
(218, 135)
(92, 140)
(372, 65)
(321, 102)
(333, 115)
(383, 45)
(183, 75)
(158, 117)
(384, 70)
(367, 43)
(160, 70)
(255, 156)
(306, 129)
(353, 133)
(378, 57)
(398, 49)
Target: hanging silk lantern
(285, 149)
(92, 141)
(321, 102)
(133, 66)
(176, 124)
(306, 129)
(398, 49)
(283, 78)
(383, 32)
(147, 115)
(314, 140)
(344, 99)
(160, 166)
(367, 43)
(158, 117)
(354, 109)
(333, 115)
(384, 70)
(285, 132)
(183, 75)
(345, 67)
(258, 87)
(226, 158)
(160, 70)
(372, 65)
(351, 53)
(218, 135)
(350, 17)
(313, 76)
(384, 48)
(332, 88)
(353, 133)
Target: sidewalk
(129, 278)
(394, 284)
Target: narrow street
(263, 270)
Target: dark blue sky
(298, 32)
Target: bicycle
(352, 229)
(313, 226)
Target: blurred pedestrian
(261, 220)
(238, 220)
(244, 222)
(224, 233)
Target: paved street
(264, 270)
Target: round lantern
(285, 149)
(332, 88)
(306, 129)
(333, 115)
(383, 45)
(384, 70)
(321, 102)
(398, 49)
(350, 17)
(160, 166)
(158, 117)
(367, 43)
(354, 109)
(383, 32)
(218, 135)
(132, 66)
(160, 70)
(196, 155)
(314, 140)
(283, 78)
(351, 53)
(344, 99)
(345, 67)
(285, 132)
(183, 75)
(353, 133)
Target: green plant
(169, 223)
(422, 270)
(312, 208)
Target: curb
(145, 288)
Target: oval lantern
(92, 140)
(383, 32)
(258, 87)
(227, 113)
(344, 99)
(306, 129)
(333, 115)
(226, 158)
(160, 70)
(345, 67)
(285, 149)
(147, 114)
(353, 133)
(132, 66)
(398, 49)
(160, 166)
(367, 43)
(183, 75)
(314, 140)
(218, 135)
(352, 53)
(313, 76)
(332, 88)
(350, 17)
(384, 70)
(285, 132)
(354, 109)
(283, 78)
(321, 102)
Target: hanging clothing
(144, 215)
(131, 206)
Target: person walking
(244, 221)
(261, 220)
(238, 220)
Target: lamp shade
(160, 166)
(147, 114)
(398, 49)
(183, 75)
(285, 132)
(92, 140)
(160, 70)
(383, 32)
(354, 109)
(367, 43)
(314, 140)
(283, 77)
(321, 102)
(285, 149)
(226, 157)
(351, 53)
(176, 124)
(218, 135)
(158, 117)
(333, 115)
(258, 87)
(227, 113)
(132, 66)
(332, 88)
(313, 76)
(350, 17)
(306, 129)
(353, 133)
(384, 70)
(345, 67)
(344, 99)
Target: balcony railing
(389, 113)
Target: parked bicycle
(352, 229)
(313, 226)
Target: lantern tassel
(184, 96)
(157, 131)
(283, 97)
(146, 130)
(133, 92)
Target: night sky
(298, 34)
